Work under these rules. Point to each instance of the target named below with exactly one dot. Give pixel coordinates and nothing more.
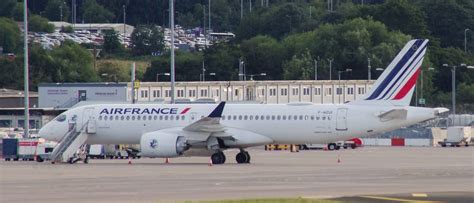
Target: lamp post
(453, 83)
(124, 17)
(315, 69)
(26, 70)
(330, 68)
(172, 74)
(158, 75)
(369, 74)
(339, 77)
(465, 39)
(422, 99)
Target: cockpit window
(61, 118)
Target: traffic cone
(167, 160)
(338, 159)
(210, 162)
(129, 161)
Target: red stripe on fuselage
(410, 83)
(185, 110)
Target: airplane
(174, 130)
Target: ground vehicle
(26, 149)
(330, 146)
(457, 136)
(96, 151)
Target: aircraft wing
(210, 124)
(394, 114)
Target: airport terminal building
(66, 95)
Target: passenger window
(122, 118)
(235, 117)
(182, 117)
(306, 117)
(111, 118)
(245, 117)
(256, 117)
(171, 118)
(278, 117)
(223, 118)
(324, 118)
(138, 117)
(116, 117)
(105, 117)
(295, 117)
(301, 117)
(312, 117)
(128, 118)
(268, 117)
(289, 118)
(161, 117)
(100, 117)
(240, 117)
(155, 117)
(273, 117)
(317, 118)
(284, 117)
(144, 118)
(133, 118)
(262, 117)
(329, 118)
(166, 117)
(250, 117)
(177, 117)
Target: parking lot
(366, 171)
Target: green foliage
(7, 8)
(111, 72)
(67, 29)
(465, 95)
(9, 35)
(37, 23)
(111, 42)
(94, 12)
(299, 68)
(263, 54)
(222, 59)
(11, 73)
(53, 10)
(147, 39)
(187, 66)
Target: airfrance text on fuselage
(140, 111)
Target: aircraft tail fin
(397, 83)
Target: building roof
(101, 84)
(15, 93)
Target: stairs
(66, 149)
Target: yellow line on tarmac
(394, 199)
(419, 195)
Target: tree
(147, 39)
(94, 12)
(7, 7)
(188, 67)
(37, 23)
(111, 41)
(9, 35)
(53, 10)
(263, 54)
(299, 67)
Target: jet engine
(162, 144)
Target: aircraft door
(88, 115)
(341, 120)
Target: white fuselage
(289, 124)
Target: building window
(273, 92)
(263, 92)
(284, 92)
(361, 90)
(236, 92)
(192, 93)
(339, 91)
(167, 93)
(217, 92)
(328, 91)
(295, 91)
(203, 93)
(180, 93)
(306, 91)
(350, 91)
(317, 91)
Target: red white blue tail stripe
(400, 77)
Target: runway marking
(419, 195)
(394, 199)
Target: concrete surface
(366, 171)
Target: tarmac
(367, 174)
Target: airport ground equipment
(96, 151)
(457, 136)
(66, 150)
(25, 149)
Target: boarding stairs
(67, 148)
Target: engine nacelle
(162, 144)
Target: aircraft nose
(45, 132)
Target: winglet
(217, 113)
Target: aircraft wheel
(218, 158)
(86, 160)
(331, 146)
(243, 157)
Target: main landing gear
(243, 157)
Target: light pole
(158, 75)
(209, 14)
(172, 48)
(369, 74)
(339, 86)
(422, 99)
(124, 17)
(453, 83)
(26, 71)
(315, 69)
(330, 68)
(465, 39)
(61, 12)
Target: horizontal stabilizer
(394, 114)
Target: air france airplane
(173, 130)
